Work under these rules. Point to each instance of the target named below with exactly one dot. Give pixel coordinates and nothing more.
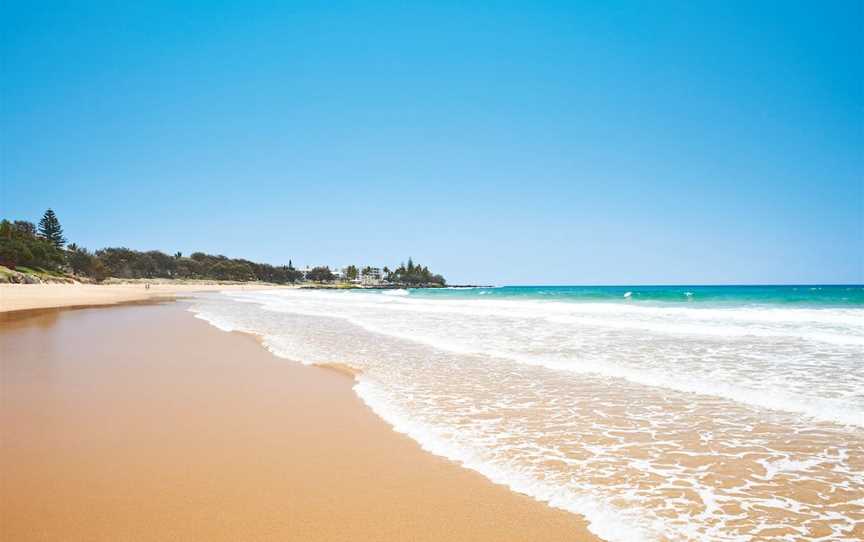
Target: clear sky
(500, 142)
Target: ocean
(728, 413)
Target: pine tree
(50, 230)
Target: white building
(366, 275)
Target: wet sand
(144, 423)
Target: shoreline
(171, 428)
(18, 297)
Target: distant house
(366, 276)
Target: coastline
(171, 428)
(575, 408)
(16, 297)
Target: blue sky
(511, 143)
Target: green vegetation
(414, 275)
(41, 254)
(21, 245)
(320, 274)
(50, 230)
(126, 263)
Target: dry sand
(15, 297)
(144, 423)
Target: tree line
(23, 244)
(127, 263)
(413, 275)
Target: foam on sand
(655, 423)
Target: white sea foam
(784, 359)
(581, 405)
(605, 521)
(399, 292)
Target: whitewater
(656, 416)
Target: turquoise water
(804, 295)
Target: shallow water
(727, 419)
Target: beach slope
(144, 423)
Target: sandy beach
(141, 422)
(16, 297)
